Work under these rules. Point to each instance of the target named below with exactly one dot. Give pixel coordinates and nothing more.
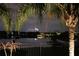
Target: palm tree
(4, 47)
(4, 13)
(70, 15)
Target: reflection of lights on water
(40, 36)
(35, 39)
(49, 35)
(12, 34)
(58, 33)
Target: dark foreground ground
(76, 51)
(37, 51)
(60, 47)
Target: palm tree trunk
(71, 24)
(5, 52)
(4, 47)
(11, 50)
(71, 44)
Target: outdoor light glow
(40, 36)
(36, 29)
(58, 33)
(12, 33)
(35, 39)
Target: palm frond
(53, 9)
(26, 10)
(4, 13)
(40, 9)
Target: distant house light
(36, 29)
(33, 29)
